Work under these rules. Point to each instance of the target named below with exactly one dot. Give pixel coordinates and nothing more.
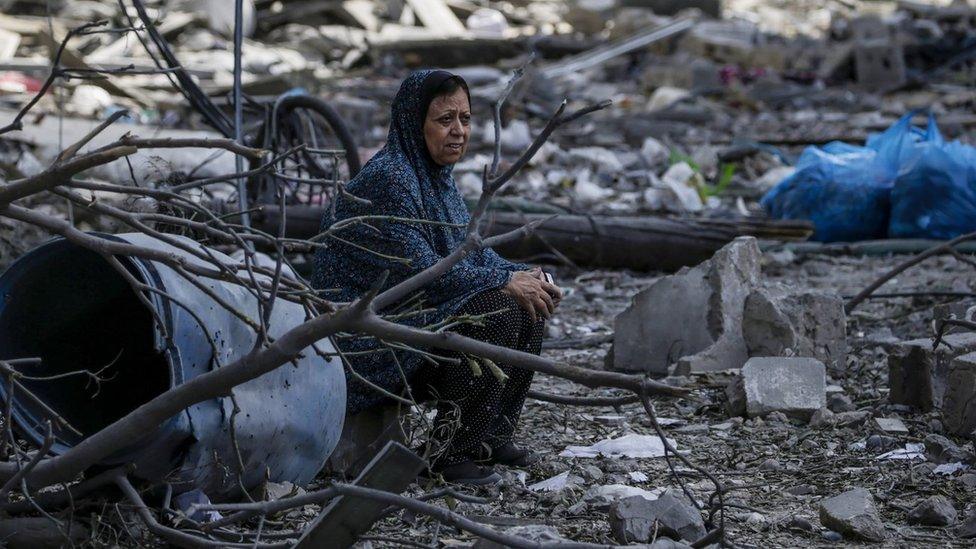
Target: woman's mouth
(455, 146)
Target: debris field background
(703, 124)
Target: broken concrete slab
(939, 449)
(854, 515)
(967, 529)
(636, 519)
(917, 374)
(891, 425)
(780, 321)
(793, 386)
(602, 497)
(692, 318)
(934, 511)
(959, 406)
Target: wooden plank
(437, 17)
(345, 519)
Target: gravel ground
(778, 469)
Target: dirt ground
(778, 469)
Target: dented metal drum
(69, 307)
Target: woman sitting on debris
(410, 178)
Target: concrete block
(959, 407)
(692, 318)
(793, 386)
(636, 519)
(778, 321)
(363, 435)
(854, 515)
(917, 374)
(879, 65)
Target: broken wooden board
(346, 518)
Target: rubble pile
(826, 423)
(712, 99)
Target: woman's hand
(555, 292)
(532, 294)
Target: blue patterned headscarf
(402, 181)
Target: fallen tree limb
(943, 248)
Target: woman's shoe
(467, 472)
(513, 456)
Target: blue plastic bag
(845, 190)
(936, 196)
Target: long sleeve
(410, 241)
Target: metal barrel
(67, 306)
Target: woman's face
(447, 127)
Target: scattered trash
(630, 446)
(912, 450)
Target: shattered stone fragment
(839, 402)
(917, 374)
(692, 317)
(793, 386)
(891, 425)
(636, 519)
(934, 511)
(602, 497)
(778, 320)
(939, 449)
(854, 515)
(959, 407)
(967, 529)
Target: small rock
(665, 543)
(801, 490)
(935, 425)
(592, 472)
(853, 514)
(821, 419)
(891, 425)
(770, 465)
(934, 511)
(968, 480)
(602, 497)
(800, 523)
(830, 535)
(878, 443)
(939, 449)
(968, 527)
(851, 419)
(635, 519)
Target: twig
(15, 480)
(945, 247)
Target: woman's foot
(513, 456)
(467, 472)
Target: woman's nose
(457, 128)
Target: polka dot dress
(478, 412)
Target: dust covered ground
(778, 469)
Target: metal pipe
(68, 306)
